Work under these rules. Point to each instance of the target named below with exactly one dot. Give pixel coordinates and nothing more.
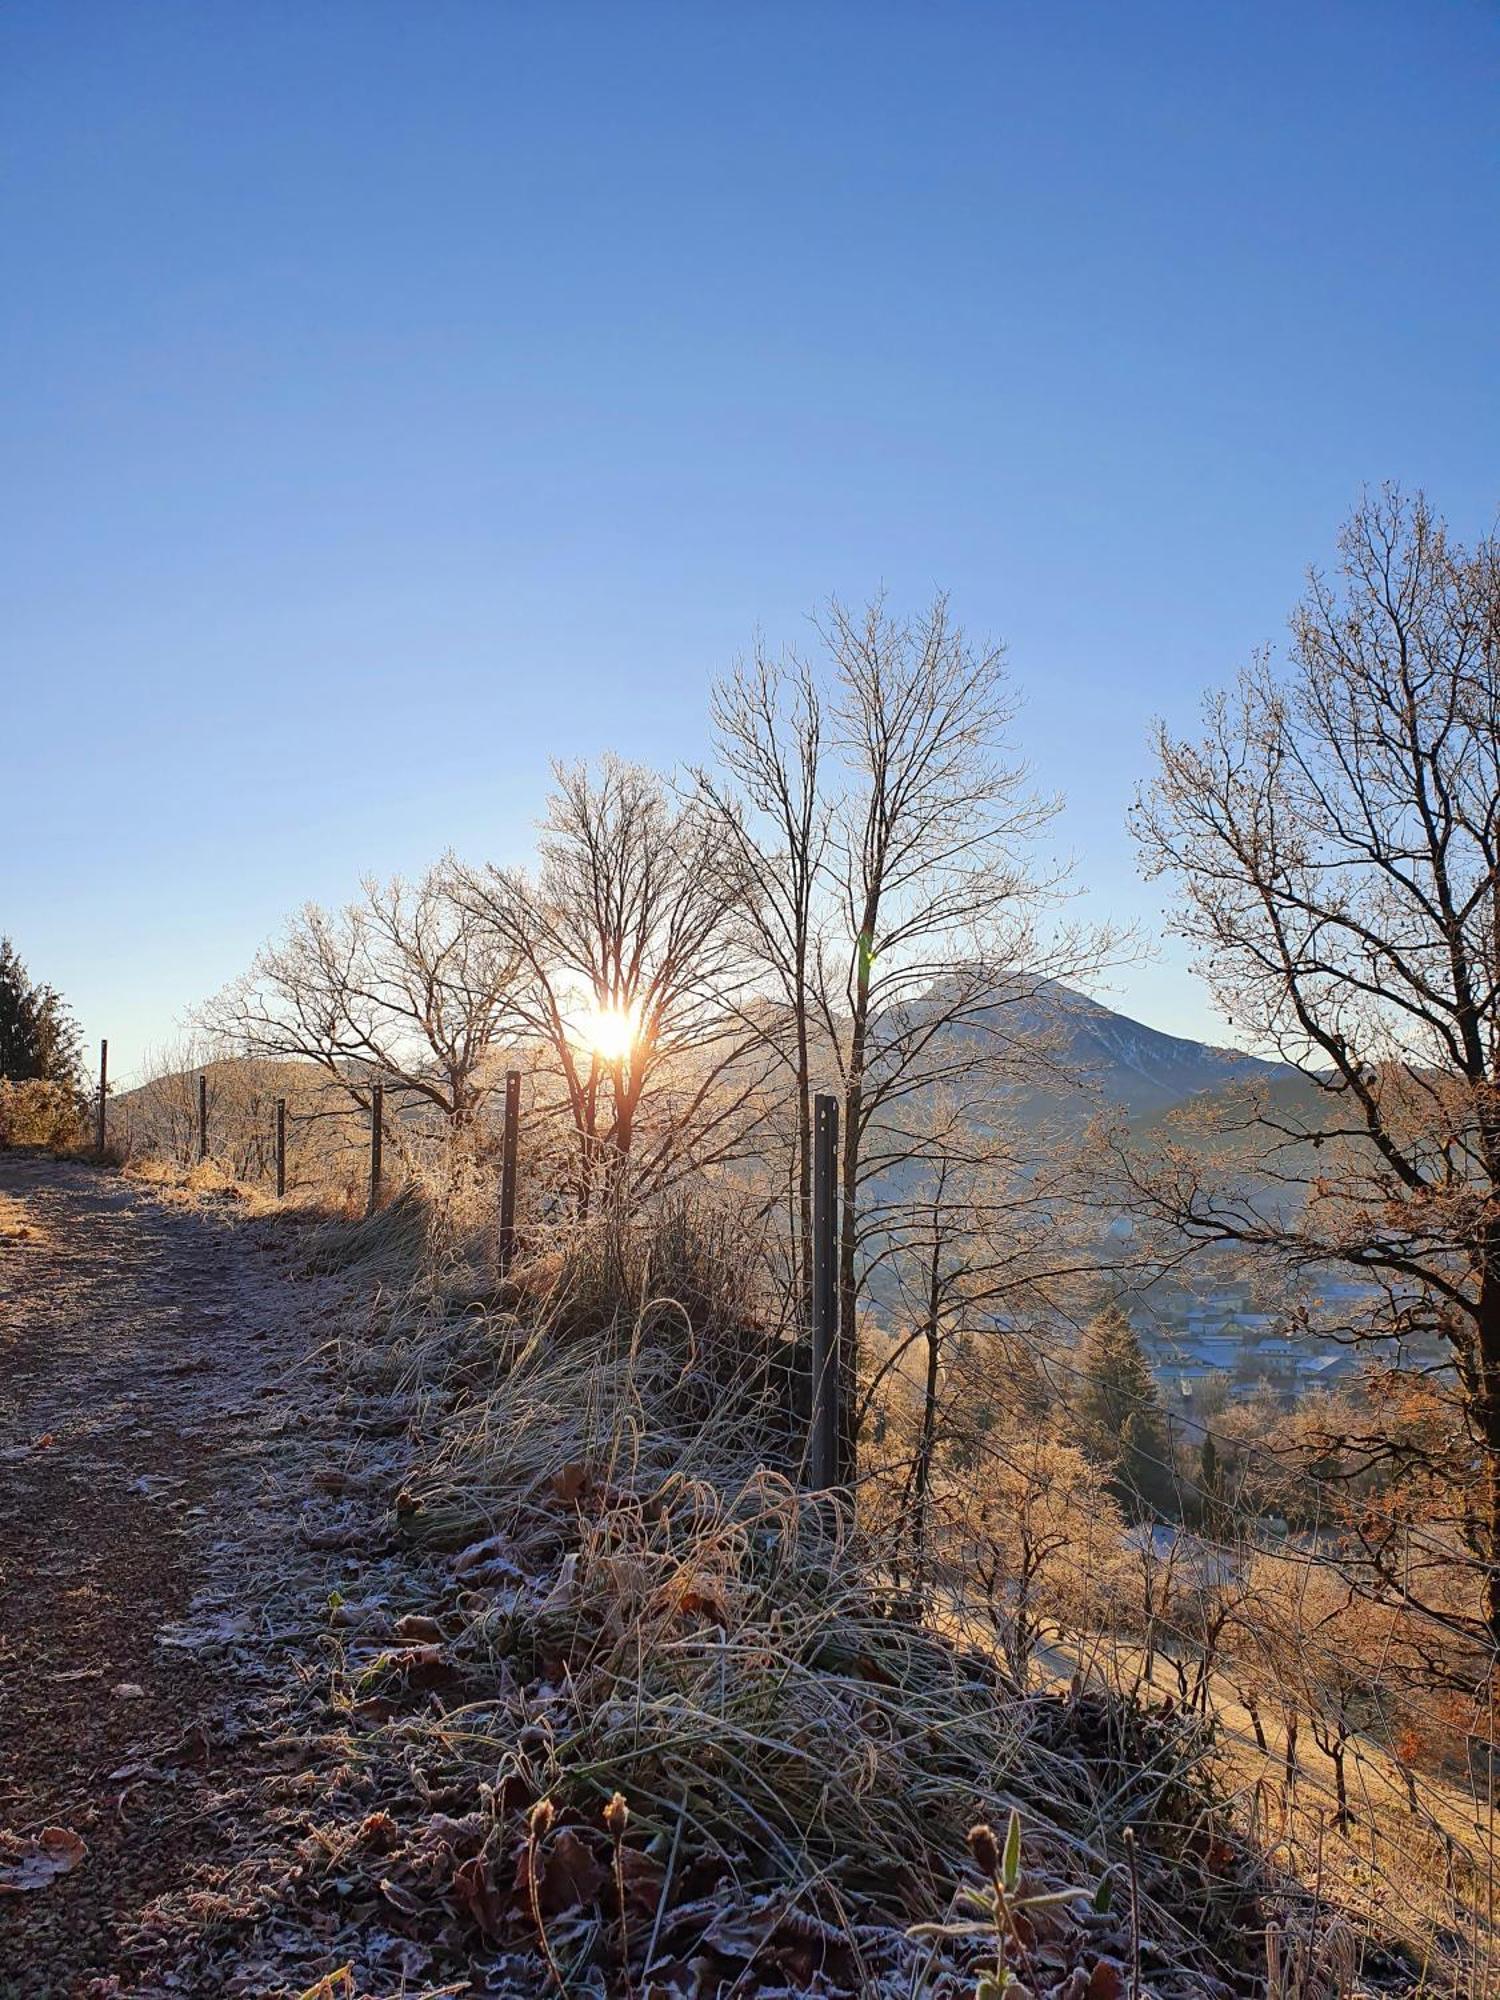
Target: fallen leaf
(443, 1830)
(149, 1484)
(224, 1630)
(568, 1874)
(570, 1482)
(494, 1551)
(194, 1746)
(374, 1711)
(643, 1876)
(564, 1587)
(411, 1660)
(34, 1863)
(378, 1832)
(704, 1599)
(476, 1890)
(367, 1615)
(401, 1897)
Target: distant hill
(1104, 1061)
(1146, 1073)
(1107, 1061)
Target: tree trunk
(1486, 1404)
(804, 1161)
(1343, 1819)
(854, 1104)
(922, 1484)
(848, 1288)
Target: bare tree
(770, 805)
(402, 988)
(630, 974)
(893, 841)
(1309, 1642)
(1030, 1540)
(1335, 834)
(972, 1245)
(162, 1110)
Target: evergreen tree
(39, 1038)
(1120, 1411)
(1211, 1486)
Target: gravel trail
(153, 1420)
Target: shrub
(38, 1113)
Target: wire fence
(1332, 1697)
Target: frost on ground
(155, 1417)
(373, 1640)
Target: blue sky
(395, 396)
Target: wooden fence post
(823, 1455)
(280, 1148)
(506, 1241)
(377, 1122)
(103, 1091)
(202, 1116)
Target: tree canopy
(39, 1039)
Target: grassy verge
(643, 1718)
(580, 1693)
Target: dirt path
(150, 1373)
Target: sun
(609, 1032)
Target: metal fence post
(202, 1117)
(377, 1121)
(506, 1241)
(823, 1456)
(103, 1090)
(280, 1148)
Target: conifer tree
(39, 1038)
(1211, 1486)
(1120, 1412)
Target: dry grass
(596, 1579)
(1415, 1868)
(627, 1594)
(206, 1184)
(1420, 1863)
(18, 1224)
